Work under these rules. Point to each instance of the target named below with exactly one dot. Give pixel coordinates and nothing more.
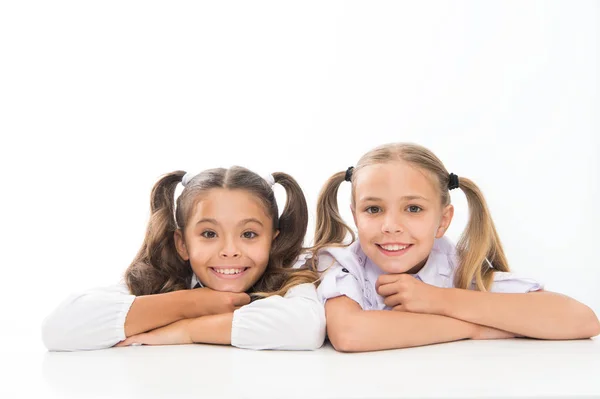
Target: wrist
(476, 331)
(187, 326)
(446, 298)
(212, 329)
(185, 302)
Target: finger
(388, 289)
(140, 339)
(388, 279)
(393, 300)
(128, 342)
(399, 308)
(383, 279)
(241, 299)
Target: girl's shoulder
(348, 257)
(445, 255)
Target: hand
(205, 301)
(172, 334)
(485, 332)
(405, 293)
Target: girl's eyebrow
(214, 221)
(207, 220)
(250, 220)
(414, 197)
(374, 199)
(405, 198)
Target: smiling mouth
(394, 249)
(229, 272)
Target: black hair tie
(453, 182)
(348, 176)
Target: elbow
(314, 341)
(57, 333)
(68, 329)
(318, 337)
(344, 336)
(51, 336)
(595, 330)
(57, 325)
(584, 324)
(592, 326)
(574, 320)
(300, 327)
(343, 343)
(315, 336)
(58, 336)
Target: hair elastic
(348, 176)
(453, 182)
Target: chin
(393, 267)
(230, 287)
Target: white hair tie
(269, 179)
(187, 178)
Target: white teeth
(394, 247)
(228, 271)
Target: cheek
(200, 254)
(424, 226)
(259, 252)
(367, 226)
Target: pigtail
(479, 243)
(293, 222)
(287, 246)
(330, 226)
(157, 267)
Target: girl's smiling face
(227, 239)
(398, 214)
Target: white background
(98, 99)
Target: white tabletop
(506, 368)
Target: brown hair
(158, 268)
(478, 244)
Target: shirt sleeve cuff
(508, 282)
(338, 281)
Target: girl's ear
(180, 245)
(447, 215)
(276, 234)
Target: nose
(392, 223)
(229, 250)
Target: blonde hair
(479, 247)
(158, 268)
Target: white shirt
(351, 273)
(95, 319)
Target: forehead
(394, 179)
(229, 204)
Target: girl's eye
(249, 234)
(414, 209)
(373, 209)
(208, 234)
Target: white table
(506, 368)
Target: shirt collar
(438, 262)
(195, 282)
(428, 272)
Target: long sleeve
(293, 322)
(92, 319)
